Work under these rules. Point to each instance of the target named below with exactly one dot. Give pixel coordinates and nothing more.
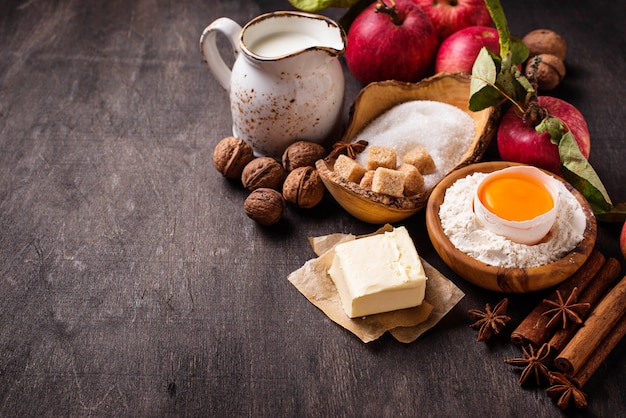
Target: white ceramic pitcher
(286, 83)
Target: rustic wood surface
(133, 284)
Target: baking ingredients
(231, 155)
(378, 156)
(515, 196)
(302, 154)
(601, 282)
(378, 273)
(391, 40)
(388, 181)
(444, 130)
(459, 51)
(563, 310)
(349, 169)
(461, 226)
(519, 203)
(348, 149)
(604, 316)
(545, 41)
(303, 188)
(550, 71)
(497, 77)
(564, 391)
(576, 349)
(264, 206)
(413, 179)
(533, 329)
(490, 322)
(421, 159)
(519, 141)
(450, 16)
(535, 363)
(263, 172)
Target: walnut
(302, 154)
(550, 72)
(231, 155)
(263, 172)
(545, 41)
(264, 206)
(303, 187)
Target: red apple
(519, 142)
(622, 240)
(459, 51)
(394, 43)
(450, 16)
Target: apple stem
(390, 10)
(534, 113)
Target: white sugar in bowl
(519, 203)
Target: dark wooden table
(133, 284)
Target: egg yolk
(516, 197)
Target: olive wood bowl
(375, 99)
(500, 279)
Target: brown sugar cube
(378, 156)
(366, 180)
(413, 179)
(421, 159)
(348, 168)
(388, 181)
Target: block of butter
(379, 273)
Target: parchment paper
(406, 325)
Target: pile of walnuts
(271, 184)
(551, 48)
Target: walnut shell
(302, 154)
(550, 72)
(263, 172)
(545, 41)
(231, 155)
(264, 206)
(303, 187)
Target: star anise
(565, 392)
(351, 150)
(534, 363)
(490, 322)
(564, 310)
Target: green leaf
(580, 174)
(497, 15)
(519, 51)
(483, 93)
(616, 214)
(526, 89)
(554, 127)
(575, 167)
(315, 5)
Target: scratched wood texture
(133, 284)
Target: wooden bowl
(377, 98)
(508, 280)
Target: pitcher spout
(292, 34)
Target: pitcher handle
(208, 48)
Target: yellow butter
(379, 273)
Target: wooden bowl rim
(535, 278)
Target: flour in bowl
(445, 131)
(464, 230)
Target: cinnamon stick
(532, 329)
(596, 327)
(599, 285)
(608, 344)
